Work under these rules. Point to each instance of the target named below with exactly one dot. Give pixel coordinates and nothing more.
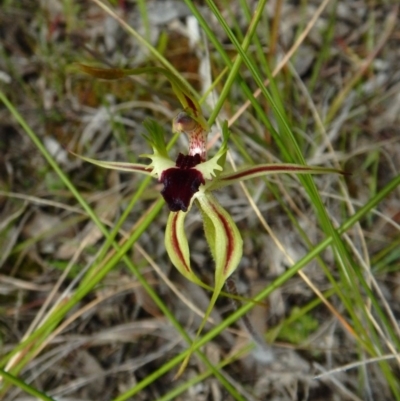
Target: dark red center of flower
(181, 182)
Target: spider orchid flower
(191, 179)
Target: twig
(265, 354)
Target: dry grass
(341, 96)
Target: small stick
(264, 352)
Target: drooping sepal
(222, 234)
(226, 245)
(260, 170)
(177, 246)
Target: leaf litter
(121, 340)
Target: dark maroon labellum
(181, 182)
(185, 162)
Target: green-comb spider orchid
(191, 179)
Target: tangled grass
(92, 307)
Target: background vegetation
(91, 308)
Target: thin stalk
(267, 353)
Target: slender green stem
(8, 377)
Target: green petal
(160, 160)
(159, 164)
(130, 167)
(266, 169)
(213, 167)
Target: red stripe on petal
(175, 242)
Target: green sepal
(177, 246)
(226, 245)
(222, 235)
(260, 170)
